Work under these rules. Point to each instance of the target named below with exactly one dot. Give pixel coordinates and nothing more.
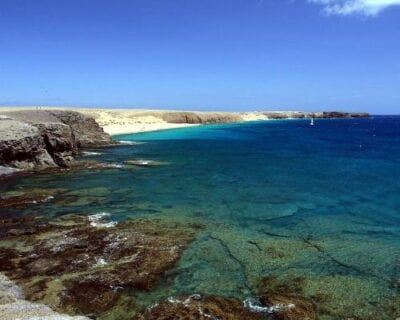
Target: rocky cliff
(200, 118)
(226, 117)
(323, 114)
(38, 139)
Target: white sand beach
(123, 121)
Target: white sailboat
(312, 122)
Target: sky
(233, 55)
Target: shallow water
(278, 198)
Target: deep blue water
(289, 187)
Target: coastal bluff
(40, 139)
(32, 138)
(122, 121)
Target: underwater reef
(85, 264)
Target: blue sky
(202, 54)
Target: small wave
(98, 216)
(115, 165)
(255, 306)
(100, 262)
(103, 224)
(91, 153)
(185, 302)
(130, 143)
(97, 220)
(47, 199)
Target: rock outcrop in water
(85, 264)
(197, 307)
(39, 139)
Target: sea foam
(97, 220)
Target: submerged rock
(286, 298)
(25, 197)
(196, 307)
(14, 306)
(81, 267)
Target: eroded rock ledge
(39, 139)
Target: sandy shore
(116, 129)
(124, 121)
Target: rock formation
(86, 264)
(14, 306)
(198, 307)
(303, 115)
(38, 139)
(201, 118)
(227, 117)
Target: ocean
(279, 199)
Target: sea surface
(277, 198)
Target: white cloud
(364, 7)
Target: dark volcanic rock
(88, 262)
(87, 132)
(301, 115)
(339, 114)
(277, 299)
(196, 307)
(22, 146)
(26, 197)
(38, 139)
(274, 292)
(59, 141)
(287, 115)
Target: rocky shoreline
(80, 264)
(91, 266)
(227, 117)
(35, 139)
(42, 139)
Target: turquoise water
(278, 198)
